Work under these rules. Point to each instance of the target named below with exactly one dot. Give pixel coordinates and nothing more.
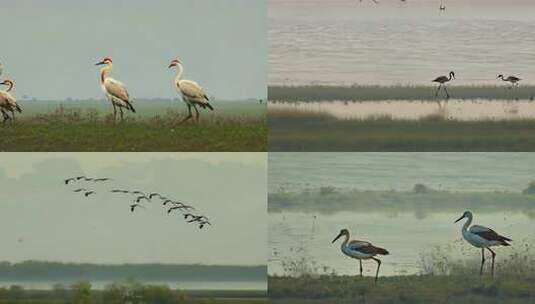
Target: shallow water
(413, 110)
(295, 235)
(395, 42)
(401, 171)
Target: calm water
(453, 109)
(405, 236)
(395, 42)
(250, 285)
(400, 171)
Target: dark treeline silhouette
(55, 271)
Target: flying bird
(192, 93)
(68, 180)
(88, 193)
(360, 250)
(102, 179)
(482, 237)
(114, 90)
(156, 194)
(8, 103)
(142, 197)
(204, 223)
(119, 191)
(80, 190)
(134, 206)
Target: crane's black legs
(482, 261)
(187, 117)
(196, 113)
(492, 266)
(121, 110)
(360, 261)
(114, 111)
(378, 266)
(438, 89)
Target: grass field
(442, 280)
(296, 131)
(458, 289)
(375, 93)
(89, 130)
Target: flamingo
(8, 102)
(442, 80)
(360, 250)
(482, 237)
(512, 79)
(192, 93)
(114, 90)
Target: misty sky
(42, 219)
(50, 47)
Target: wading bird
(88, 193)
(360, 250)
(134, 206)
(8, 103)
(512, 79)
(192, 93)
(114, 90)
(482, 237)
(442, 83)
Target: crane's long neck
(9, 87)
(179, 72)
(467, 223)
(104, 72)
(346, 240)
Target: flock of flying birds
(140, 197)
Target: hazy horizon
(53, 47)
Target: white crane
(192, 93)
(360, 250)
(114, 90)
(8, 103)
(482, 237)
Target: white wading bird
(114, 90)
(360, 250)
(512, 79)
(8, 102)
(482, 237)
(442, 80)
(192, 93)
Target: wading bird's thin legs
(438, 89)
(13, 115)
(196, 113)
(482, 261)
(114, 111)
(187, 117)
(6, 117)
(378, 266)
(360, 261)
(121, 110)
(447, 94)
(492, 265)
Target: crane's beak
(100, 63)
(459, 218)
(336, 238)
